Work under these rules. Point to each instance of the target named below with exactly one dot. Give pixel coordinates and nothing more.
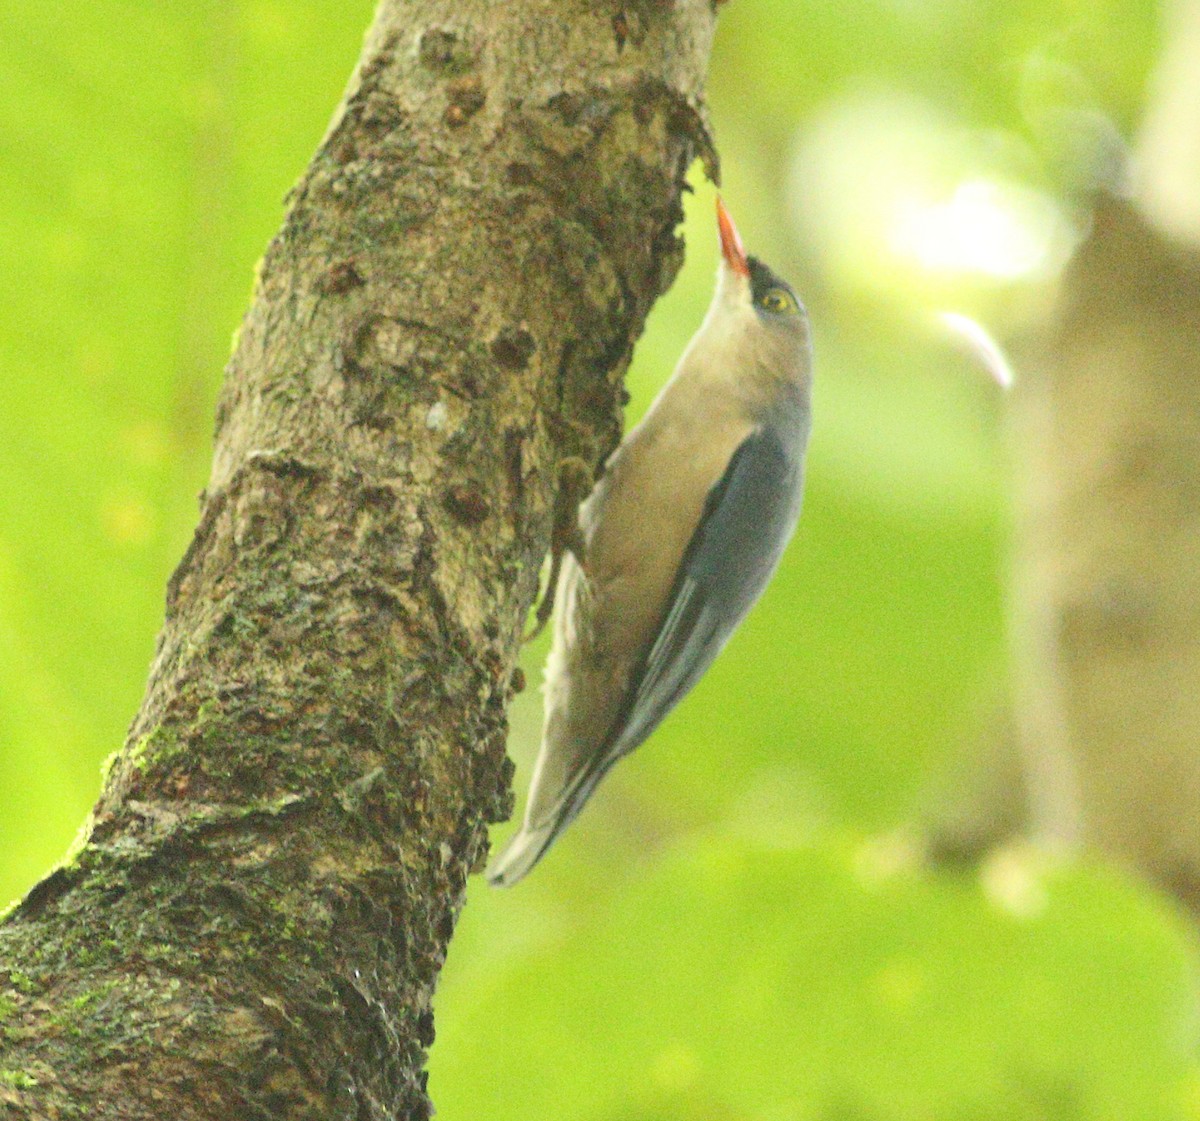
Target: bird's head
(759, 307)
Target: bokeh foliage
(737, 928)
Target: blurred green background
(737, 928)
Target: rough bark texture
(253, 921)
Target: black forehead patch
(762, 280)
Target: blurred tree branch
(255, 916)
(1108, 573)
(1106, 597)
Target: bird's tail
(521, 854)
(531, 843)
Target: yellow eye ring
(777, 300)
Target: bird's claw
(574, 484)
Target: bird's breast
(639, 520)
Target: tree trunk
(254, 918)
(1106, 596)
(1108, 586)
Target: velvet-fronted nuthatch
(678, 539)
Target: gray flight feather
(748, 519)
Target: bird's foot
(575, 482)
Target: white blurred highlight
(1014, 880)
(980, 345)
(893, 190)
(984, 227)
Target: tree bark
(253, 920)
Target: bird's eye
(777, 299)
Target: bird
(675, 543)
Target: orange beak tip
(731, 243)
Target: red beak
(731, 243)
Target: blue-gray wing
(748, 517)
(747, 520)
